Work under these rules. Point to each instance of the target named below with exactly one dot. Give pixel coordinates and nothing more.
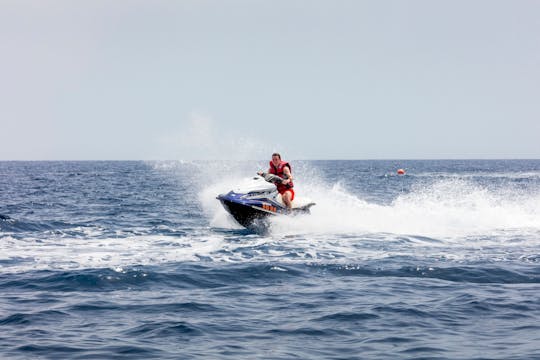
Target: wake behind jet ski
(252, 204)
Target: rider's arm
(287, 172)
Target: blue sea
(133, 259)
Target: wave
(191, 276)
(13, 226)
(224, 310)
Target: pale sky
(238, 79)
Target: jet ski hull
(245, 215)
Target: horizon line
(322, 159)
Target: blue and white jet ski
(251, 205)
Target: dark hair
(276, 154)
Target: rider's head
(276, 158)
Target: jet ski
(253, 204)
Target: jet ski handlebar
(271, 178)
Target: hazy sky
(313, 79)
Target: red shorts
(289, 190)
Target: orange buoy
(401, 172)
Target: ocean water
(139, 260)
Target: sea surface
(127, 260)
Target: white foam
(447, 209)
(76, 253)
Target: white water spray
(448, 208)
